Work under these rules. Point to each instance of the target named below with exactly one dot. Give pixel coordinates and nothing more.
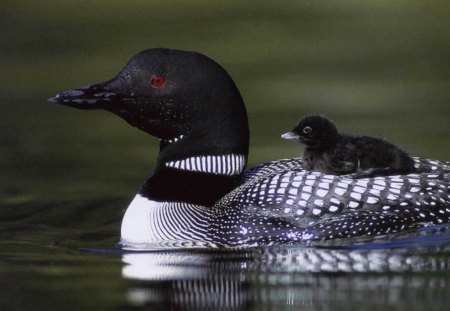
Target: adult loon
(330, 152)
(199, 192)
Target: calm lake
(67, 176)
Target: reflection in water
(208, 294)
(283, 277)
(188, 280)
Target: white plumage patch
(147, 221)
(230, 164)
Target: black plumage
(199, 193)
(331, 152)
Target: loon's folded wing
(304, 199)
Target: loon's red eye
(157, 81)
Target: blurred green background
(375, 67)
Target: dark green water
(380, 68)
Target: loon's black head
(172, 94)
(314, 131)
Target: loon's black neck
(204, 164)
(174, 185)
(198, 177)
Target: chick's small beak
(290, 135)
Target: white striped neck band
(229, 164)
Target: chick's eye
(307, 130)
(157, 81)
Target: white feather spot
(333, 208)
(316, 211)
(321, 193)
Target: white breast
(147, 221)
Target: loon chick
(330, 152)
(198, 191)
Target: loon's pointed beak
(94, 96)
(290, 135)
